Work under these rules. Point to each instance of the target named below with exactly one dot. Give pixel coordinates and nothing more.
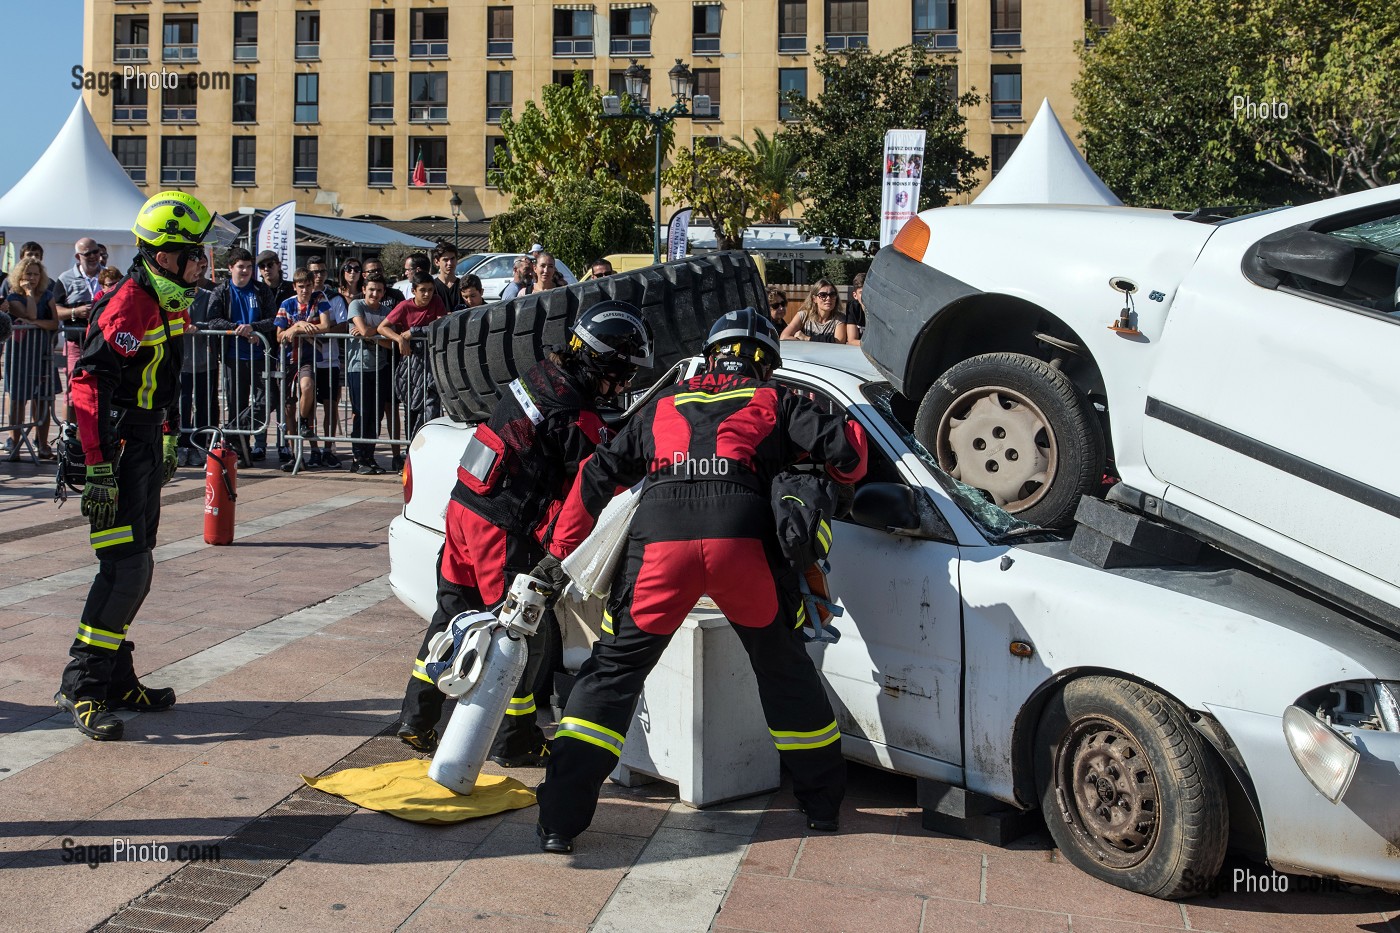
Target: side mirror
(1305, 253)
(886, 506)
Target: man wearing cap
(270, 269)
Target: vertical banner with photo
(278, 232)
(676, 235)
(903, 170)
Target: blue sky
(45, 42)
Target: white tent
(76, 189)
(1046, 168)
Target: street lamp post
(456, 204)
(637, 81)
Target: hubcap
(997, 440)
(1111, 791)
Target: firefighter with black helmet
(709, 449)
(510, 484)
(124, 392)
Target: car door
(895, 674)
(1278, 403)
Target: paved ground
(290, 655)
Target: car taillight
(407, 479)
(912, 239)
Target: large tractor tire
(475, 354)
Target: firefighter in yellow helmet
(124, 392)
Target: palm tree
(777, 174)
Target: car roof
(845, 359)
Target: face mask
(174, 297)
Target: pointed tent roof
(1046, 168)
(76, 188)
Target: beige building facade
(250, 103)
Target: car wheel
(475, 354)
(1129, 790)
(1018, 430)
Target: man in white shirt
(76, 286)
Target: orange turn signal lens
(912, 239)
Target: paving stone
(438, 919)
(1059, 886)
(786, 905)
(871, 863)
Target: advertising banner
(903, 171)
(278, 232)
(676, 234)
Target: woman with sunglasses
(777, 307)
(819, 319)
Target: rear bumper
(413, 553)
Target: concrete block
(960, 812)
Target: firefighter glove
(168, 461)
(552, 572)
(99, 503)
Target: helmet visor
(221, 234)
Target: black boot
(553, 843)
(92, 717)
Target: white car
(1155, 714)
(1237, 374)
(497, 270)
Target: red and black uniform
(709, 448)
(510, 484)
(123, 388)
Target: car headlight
(1325, 758)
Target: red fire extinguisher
(220, 492)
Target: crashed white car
(1155, 714)
(1238, 374)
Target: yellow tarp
(403, 789)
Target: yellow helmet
(172, 219)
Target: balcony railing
(427, 48)
(245, 113)
(427, 113)
(303, 177)
(245, 176)
(573, 47)
(494, 111)
(941, 39)
(845, 41)
(177, 175)
(1006, 38)
(137, 173)
(1006, 110)
(381, 48)
(381, 113)
(436, 177)
(177, 114)
(127, 52)
(381, 178)
(629, 45)
(704, 45)
(308, 51)
(245, 52)
(505, 48)
(129, 114)
(792, 42)
(181, 53)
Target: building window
(631, 31)
(308, 102)
(181, 39)
(308, 35)
(381, 161)
(573, 33)
(617, 81)
(566, 78)
(305, 155)
(498, 95)
(1006, 24)
(245, 37)
(177, 160)
(706, 142)
(429, 39)
(427, 97)
(790, 81)
(381, 34)
(707, 83)
(494, 144)
(245, 98)
(381, 97)
(705, 29)
(1006, 92)
(500, 32)
(131, 156)
(936, 23)
(847, 25)
(1002, 147)
(432, 152)
(128, 102)
(792, 25)
(177, 104)
(245, 161)
(131, 40)
(1098, 13)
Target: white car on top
(1238, 374)
(497, 270)
(1155, 714)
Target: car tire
(1130, 792)
(475, 354)
(1017, 429)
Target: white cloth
(592, 565)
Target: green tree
(720, 183)
(568, 138)
(580, 220)
(777, 166)
(839, 136)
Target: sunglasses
(826, 294)
(778, 305)
(350, 268)
(90, 253)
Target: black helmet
(745, 335)
(611, 339)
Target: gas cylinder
(220, 493)
(470, 732)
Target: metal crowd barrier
(29, 382)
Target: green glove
(172, 442)
(100, 496)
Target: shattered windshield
(995, 522)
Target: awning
(707, 3)
(335, 231)
(573, 6)
(629, 6)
